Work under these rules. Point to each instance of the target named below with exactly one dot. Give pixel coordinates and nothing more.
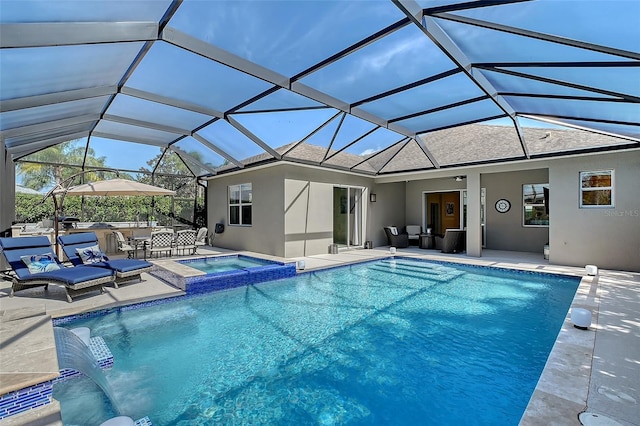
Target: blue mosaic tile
(26, 399)
(143, 422)
(102, 312)
(101, 352)
(236, 278)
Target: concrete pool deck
(597, 370)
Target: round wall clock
(503, 205)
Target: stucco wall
(292, 209)
(389, 209)
(505, 230)
(308, 225)
(309, 207)
(606, 237)
(266, 235)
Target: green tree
(53, 165)
(172, 173)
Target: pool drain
(616, 396)
(593, 419)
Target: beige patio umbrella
(110, 187)
(114, 187)
(118, 187)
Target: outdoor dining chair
(161, 242)
(201, 238)
(185, 241)
(123, 244)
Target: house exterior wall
(308, 208)
(606, 237)
(308, 217)
(293, 209)
(389, 209)
(505, 231)
(266, 234)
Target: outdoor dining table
(138, 240)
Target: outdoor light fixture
(459, 178)
(581, 318)
(591, 270)
(372, 198)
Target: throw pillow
(91, 254)
(394, 230)
(37, 263)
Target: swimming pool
(225, 263)
(387, 342)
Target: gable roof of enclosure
(221, 83)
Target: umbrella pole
(173, 213)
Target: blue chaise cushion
(71, 276)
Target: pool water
(391, 342)
(227, 263)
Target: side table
(427, 241)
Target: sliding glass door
(348, 216)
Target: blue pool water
(225, 263)
(392, 342)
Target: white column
(7, 190)
(474, 226)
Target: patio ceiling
(373, 87)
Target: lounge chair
(83, 249)
(185, 241)
(453, 241)
(34, 264)
(395, 238)
(201, 238)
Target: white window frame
(582, 190)
(524, 206)
(240, 204)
